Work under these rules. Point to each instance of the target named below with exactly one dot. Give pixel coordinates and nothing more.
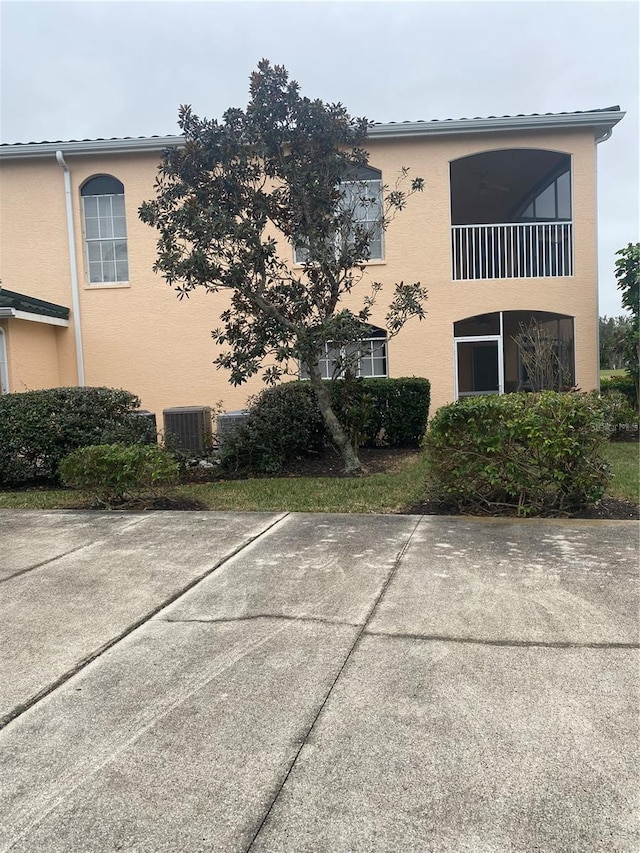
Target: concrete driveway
(192, 682)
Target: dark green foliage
(285, 423)
(613, 334)
(529, 454)
(384, 412)
(113, 474)
(622, 385)
(39, 428)
(233, 203)
(620, 420)
(628, 281)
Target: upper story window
(361, 199)
(105, 229)
(366, 358)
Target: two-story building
(504, 233)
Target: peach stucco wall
(140, 337)
(32, 355)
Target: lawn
(624, 458)
(388, 492)
(607, 374)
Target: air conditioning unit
(228, 424)
(188, 428)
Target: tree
(628, 276)
(232, 203)
(613, 333)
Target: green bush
(532, 454)
(386, 412)
(620, 420)
(623, 385)
(285, 423)
(113, 474)
(39, 428)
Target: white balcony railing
(512, 250)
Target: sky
(77, 70)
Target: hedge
(285, 423)
(622, 384)
(525, 454)
(39, 428)
(113, 474)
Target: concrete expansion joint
(254, 617)
(516, 644)
(47, 562)
(23, 707)
(305, 738)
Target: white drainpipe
(75, 294)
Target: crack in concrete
(28, 569)
(354, 645)
(516, 644)
(267, 616)
(20, 709)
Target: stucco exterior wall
(32, 355)
(139, 336)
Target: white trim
(34, 318)
(602, 121)
(4, 364)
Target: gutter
(602, 121)
(73, 263)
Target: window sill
(375, 263)
(107, 285)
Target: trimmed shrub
(113, 474)
(530, 454)
(620, 420)
(39, 428)
(285, 423)
(623, 385)
(385, 412)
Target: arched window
(361, 198)
(105, 229)
(367, 357)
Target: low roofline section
(601, 121)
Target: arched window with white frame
(105, 230)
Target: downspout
(599, 139)
(75, 293)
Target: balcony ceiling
(486, 187)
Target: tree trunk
(352, 464)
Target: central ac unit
(188, 428)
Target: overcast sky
(103, 69)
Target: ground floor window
(366, 358)
(507, 351)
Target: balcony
(511, 215)
(512, 250)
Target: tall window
(105, 229)
(361, 196)
(367, 358)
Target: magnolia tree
(241, 194)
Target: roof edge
(602, 121)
